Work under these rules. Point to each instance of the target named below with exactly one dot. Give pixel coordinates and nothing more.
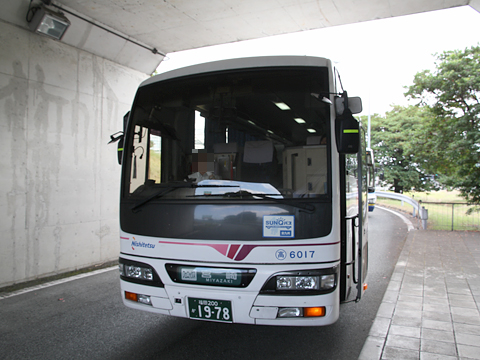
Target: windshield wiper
(166, 190)
(309, 208)
(159, 193)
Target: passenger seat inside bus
(259, 163)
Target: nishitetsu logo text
(142, 244)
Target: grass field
(436, 196)
(446, 210)
(155, 166)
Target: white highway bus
(243, 194)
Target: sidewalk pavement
(430, 309)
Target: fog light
(290, 312)
(144, 299)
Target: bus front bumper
(202, 303)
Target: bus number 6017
(306, 254)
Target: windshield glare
(231, 135)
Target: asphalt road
(85, 319)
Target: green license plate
(208, 309)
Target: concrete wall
(59, 181)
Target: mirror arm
(345, 100)
(115, 137)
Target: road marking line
(405, 220)
(56, 282)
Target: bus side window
(155, 157)
(139, 158)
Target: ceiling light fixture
(299, 120)
(282, 105)
(54, 24)
(45, 21)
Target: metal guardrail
(452, 216)
(418, 210)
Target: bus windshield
(231, 135)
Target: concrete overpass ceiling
(175, 25)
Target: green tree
(449, 144)
(394, 142)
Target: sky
(376, 59)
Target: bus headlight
(305, 281)
(327, 281)
(141, 273)
(298, 282)
(319, 282)
(138, 272)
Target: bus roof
(239, 63)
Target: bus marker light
(365, 286)
(130, 296)
(314, 311)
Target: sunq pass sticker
(279, 226)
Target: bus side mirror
(120, 151)
(118, 136)
(347, 133)
(354, 104)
